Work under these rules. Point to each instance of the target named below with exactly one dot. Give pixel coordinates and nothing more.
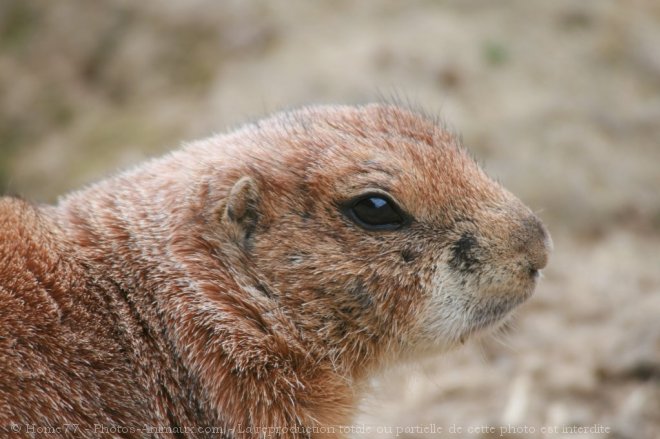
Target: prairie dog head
(377, 230)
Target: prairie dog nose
(537, 243)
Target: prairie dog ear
(241, 209)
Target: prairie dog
(248, 284)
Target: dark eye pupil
(376, 211)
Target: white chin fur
(454, 312)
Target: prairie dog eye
(375, 212)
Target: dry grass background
(561, 101)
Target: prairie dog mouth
(491, 313)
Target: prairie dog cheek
(445, 313)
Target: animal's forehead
(344, 151)
(424, 179)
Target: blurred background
(560, 100)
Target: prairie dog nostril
(538, 243)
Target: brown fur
(223, 286)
